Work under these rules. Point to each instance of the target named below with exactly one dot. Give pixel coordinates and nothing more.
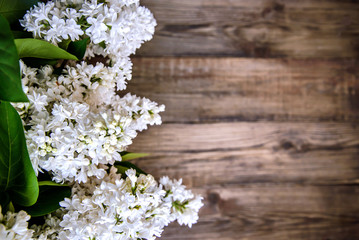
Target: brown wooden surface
(262, 115)
(218, 154)
(255, 28)
(230, 89)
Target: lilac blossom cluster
(77, 125)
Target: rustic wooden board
(248, 135)
(278, 212)
(261, 180)
(255, 28)
(232, 89)
(209, 155)
(262, 114)
(230, 168)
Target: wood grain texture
(232, 89)
(262, 115)
(272, 144)
(219, 154)
(275, 212)
(261, 180)
(256, 28)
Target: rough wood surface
(232, 89)
(261, 180)
(255, 28)
(218, 154)
(265, 212)
(272, 144)
(262, 115)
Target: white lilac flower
(39, 101)
(116, 29)
(122, 25)
(120, 207)
(97, 29)
(75, 121)
(185, 205)
(14, 226)
(50, 229)
(73, 30)
(77, 125)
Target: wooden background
(262, 115)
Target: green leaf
(13, 10)
(17, 177)
(126, 156)
(38, 62)
(29, 47)
(78, 48)
(122, 167)
(11, 207)
(51, 183)
(10, 80)
(49, 197)
(21, 34)
(4, 201)
(64, 44)
(102, 44)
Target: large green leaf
(78, 48)
(21, 34)
(13, 10)
(29, 47)
(17, 177)
(49, 197)
(4, 201)
(39, 62)
(10, 81)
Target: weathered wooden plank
(247, 135)
(275, 212)
(220, 154)
(261, 166)
(232, 89)
(256, 28)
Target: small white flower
(184, 204)
(97, 30)
(14, 226)
(39, 101)
(73, 30)
(56, 32)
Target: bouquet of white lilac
(69, 168)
